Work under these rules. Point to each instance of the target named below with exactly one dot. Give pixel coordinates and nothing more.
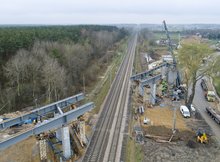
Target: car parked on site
(185, 111)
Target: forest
(41, 64)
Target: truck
(208, 90)
(214, 114)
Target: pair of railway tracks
(105, 144)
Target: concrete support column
(59, 134)
(172, 75)
(141, 90)
(66, 142)
(153, 87)
(58, 131)
(164, 72)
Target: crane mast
(172, 53)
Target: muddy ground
(180, 151)
(183, 147)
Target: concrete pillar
(58, 131)
(141, 90)
(164, 72)
(153, 87)
(59, 134)
(172, 75)
(144, 96)
(66, 142)
(82, 132)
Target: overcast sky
(108, 11)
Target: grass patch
(99, 98)
(217, 84)
(137, 61)
(134, 152)
(139, 155)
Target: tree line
(47, 63)
(206, 33)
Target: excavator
(201, 136)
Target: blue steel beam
(147, 82)
(151, 80)
(51, 124)
(42, 111)
(144, 75)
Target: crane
(172, 53)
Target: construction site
(55, 132)
(159, 127)
(141, 117)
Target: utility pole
(175, 104)
(174, 120)
(84, 85)
(110, 76)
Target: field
(173, 35)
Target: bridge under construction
(51, 121)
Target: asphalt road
(201, 103)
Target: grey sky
(105, 12)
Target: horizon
(113, 24)
(66, 12)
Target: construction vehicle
(208, 89)
(215, 116)
(201, 136)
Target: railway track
(105, 144)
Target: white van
(185, 111)
(193, 109)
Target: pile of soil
(180, 135)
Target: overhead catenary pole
(110, 76)
(84, 85)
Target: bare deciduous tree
(190, 59)
(16, 69)
(53, 78)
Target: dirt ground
(169, 152)
(25, 151)
(183, 146)
(163, 116)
